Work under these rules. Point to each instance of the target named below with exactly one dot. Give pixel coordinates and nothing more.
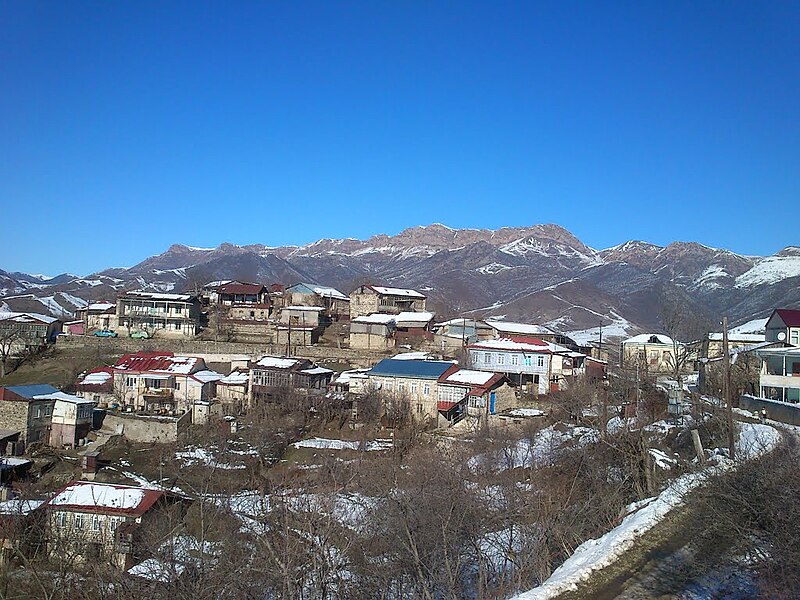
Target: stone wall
(146, 429)
(14, 416)
(777, 411)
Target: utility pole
(726, 389)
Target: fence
(776, 410)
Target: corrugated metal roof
(31, 390)
(420, 369)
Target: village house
(783, 325)
(412, 381)
(368, 299)
(413, 328)
(160, 382)
(712, 345)
(372, 332)
(27, 331)
(233, 388)
(466, 392)
(72, 420)
(105, 522)
(29, 410)
(525, 361)
(73, 328)
(335, 303)
(653, 353)
(97, 385)
(458, 333)
(169, 315)
(300, 325)
(273, 373)
(98, 316)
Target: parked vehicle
(105, 333)
(140, 335)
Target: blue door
(491, 402)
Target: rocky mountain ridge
(541, 273)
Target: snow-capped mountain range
(539, 274)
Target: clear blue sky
(126, 127)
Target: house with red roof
(783, 325)
(462, 392)
(102, 521)
(160, 382)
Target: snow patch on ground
(330, 444)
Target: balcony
(780, 381)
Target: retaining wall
(776, 410)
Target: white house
(525, 361)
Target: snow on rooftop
(738, 337)
(645, 338)
(96, 495)
(754, 326)
(236, 378)
(379, 318)
(25, 317)
(308, 308)
(316, 371)
(101, 306)
(65, 398)
(207, 375)
(413, 356)
(469, 377)
(275, 362)
(98, 378)
(159, 296)
(329, 292)
(519, 328)
(414, 317)
(391, 291)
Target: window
(501, 358)
(95, 522)
(177, 325)
(130, 382)
(252, 313)
(78, 522)
(540, 361)
(414, 387)
(528, 362)
(390, 385)
(401, 386)
(177, 385)
(426, 389)
(38, 414)
(48, 410)
(419, 409)
(61, 519)
(515, 359)
(487, 357)
(794, 337)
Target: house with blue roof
(412, 381)
(29, 410)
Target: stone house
(372, 332)
(300, 325)
(233, 389)
(335, 303)
(98, 385)
(99, 316)
(368, 299)
(462, 392)
(413, 328)
(104, 522)
(29, 410)
(168, 315)
(653, 353)
(412, 381)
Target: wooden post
(726, 389)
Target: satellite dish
(781, 336)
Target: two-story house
(335, 303)
(161, 382)
(412, 381)
(270, 374)
(29, 410)
(525, 361)
(300, 325)
(71, 421)
(99, 316)
(104, 522)
(27, 330)
(368, 299)
(462, 392)
(780, 373)
(169, 315)
(508, 329)
(653, 353)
